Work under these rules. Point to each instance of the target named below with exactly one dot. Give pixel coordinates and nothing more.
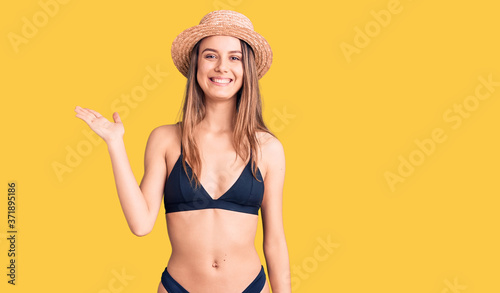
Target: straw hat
(222, 23)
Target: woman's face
(220, 67)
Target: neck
(220, 115)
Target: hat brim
(185, 41)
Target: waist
(210, 268)
(212, 242)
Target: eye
(235, 58)
(209, 56)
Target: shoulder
(269, 144)
(168, 131)
(272, 151)
(164, 136)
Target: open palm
(106, 129)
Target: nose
(222, 65)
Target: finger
(79, 109)
(85, 118)
(95, 113)
(84, 111)
(87, 114)
(117, 118)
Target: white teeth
(221, 80)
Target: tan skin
(215, 245)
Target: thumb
(117, 118)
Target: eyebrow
(210, 49)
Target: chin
(221, 97)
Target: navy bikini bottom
(172, 286)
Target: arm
(275, 247)
(139, 204)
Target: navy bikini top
(244, 196)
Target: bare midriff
(213, 249)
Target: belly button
(215, 264)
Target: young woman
(216, 168)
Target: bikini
(244, 196)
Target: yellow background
(343, 126)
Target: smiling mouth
(221, 80)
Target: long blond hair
(248, 114)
